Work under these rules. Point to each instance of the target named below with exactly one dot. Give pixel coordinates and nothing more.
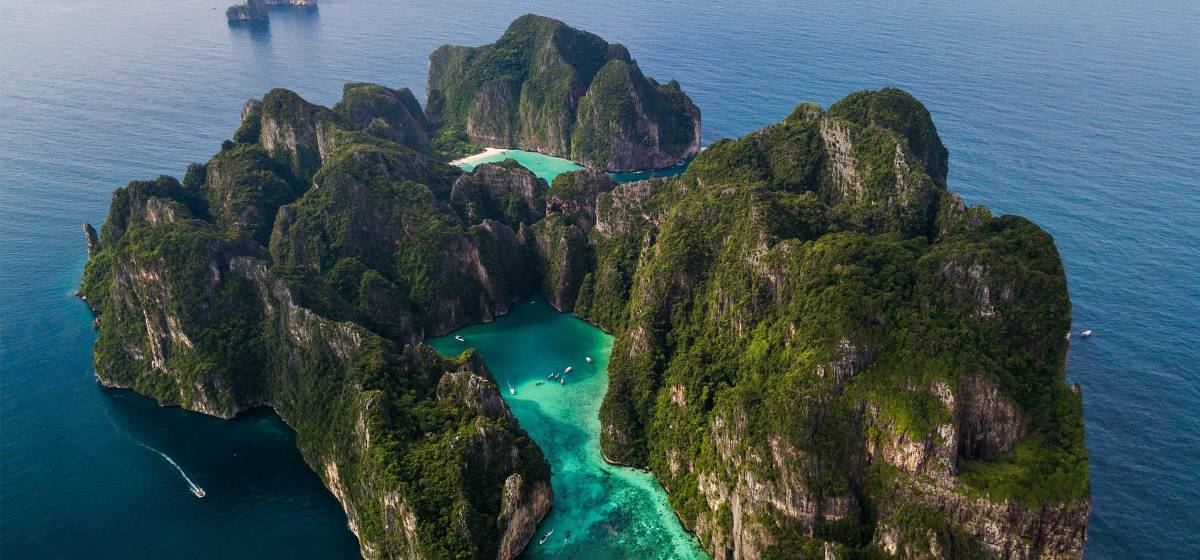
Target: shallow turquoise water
(612, 512)
(549, 167)
(544, 166)
(1082, 116)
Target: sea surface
(1081, 115)
(612, 512)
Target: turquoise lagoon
(549, 167)
(611, 511)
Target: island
(256, 10)
(820, 350)
(549, 88)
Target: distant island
(549, 88)
(820, 350)
(256, 10)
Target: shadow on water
(259, 31)
(299, 18)
(250, 451)
(630, 176)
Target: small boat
(550, 531)
(459, 338)
(1085, 334)
(511, 391)
(562, 381)
(568, 370)
(551, 376)
(539, 382)
(568, 535)
(198, 491)
(589, 359)
(546, 536)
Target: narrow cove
(548, 167)
(611, 511)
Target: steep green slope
(822, 348)
(299, 269)
(546, 87)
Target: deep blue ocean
(1081, 115)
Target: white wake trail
(198, 491)
(195, 488)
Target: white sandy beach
(471, 159)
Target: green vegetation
(387, 113)
(777, 302)
(807, 313)
(302, 276)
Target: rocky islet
(258, 10)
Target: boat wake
(197, 490)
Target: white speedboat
(547, 535)
(459, 338)
(568, 370)
(562, 380)
(198, 491)
(1085, 334)
(589, 359)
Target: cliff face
(549, 88)
(820, 349)
(299, 269)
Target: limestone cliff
(561, 237)
(821, 351)
(299, 269)
(546, 87)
